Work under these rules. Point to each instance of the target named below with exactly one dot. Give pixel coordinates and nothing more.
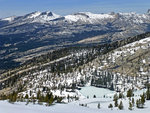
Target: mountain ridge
(40, 32)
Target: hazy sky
(64, 7)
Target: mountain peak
(41, 17)
(48, 13)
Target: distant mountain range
(23, 37)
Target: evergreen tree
(140, 102)
(112, 87)
(130, 106)
(110, 106)
(143, 99)
(137, 103)
(26, 96)
(133, 101)
(38, 94)
(98, 106)
(129, 93)
(13, 97)
(51, 100)
(148, 93)
(121, 95)
(94, 96)
(68, 97)
(116, 100)
(120, 105)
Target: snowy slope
(9, 18)
(44, 17)
(73, 107)
(40, 17)
(6, 107)
(87, 17)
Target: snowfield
(98, 92)
(75, 106)
(6, 107)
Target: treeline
(48, 98)
(66, 65)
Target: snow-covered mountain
(88, 17)
(45, 31)
(91, 75)
(9, 19)
(41, 17)
(75, 73)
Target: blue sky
(64, 7)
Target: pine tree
(51, 100)
(47, 98)
(94, 96)
(30, 93)
(26, 96)
(120, 105)
(133, 101)
(129, 93)
(98, 106)
(110, 106)
(68, 97)
(137, 103)
(148, 93)
(12, 97)
(38, 94)
(143, 99)
(130, 106)
(140, 102)
(112, 87)
(116, 100)
(121, 95)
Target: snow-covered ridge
(87, 16)
(133, 47)
(42, 16)
(9, 18)
(136, 18)
(46, 17)
(34, 15)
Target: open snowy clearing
(6, 107)
(90, 91)
(73, 107)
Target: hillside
(24, 37)
(88, 79)
(110, 66)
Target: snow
(33, 15)
(46, 17)
(6, 107)
(9, 18)
(74, 106)
(87, 17)
(43, 17)
(132, 47)
(99, 92)
(93, 18)
(136, 18)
